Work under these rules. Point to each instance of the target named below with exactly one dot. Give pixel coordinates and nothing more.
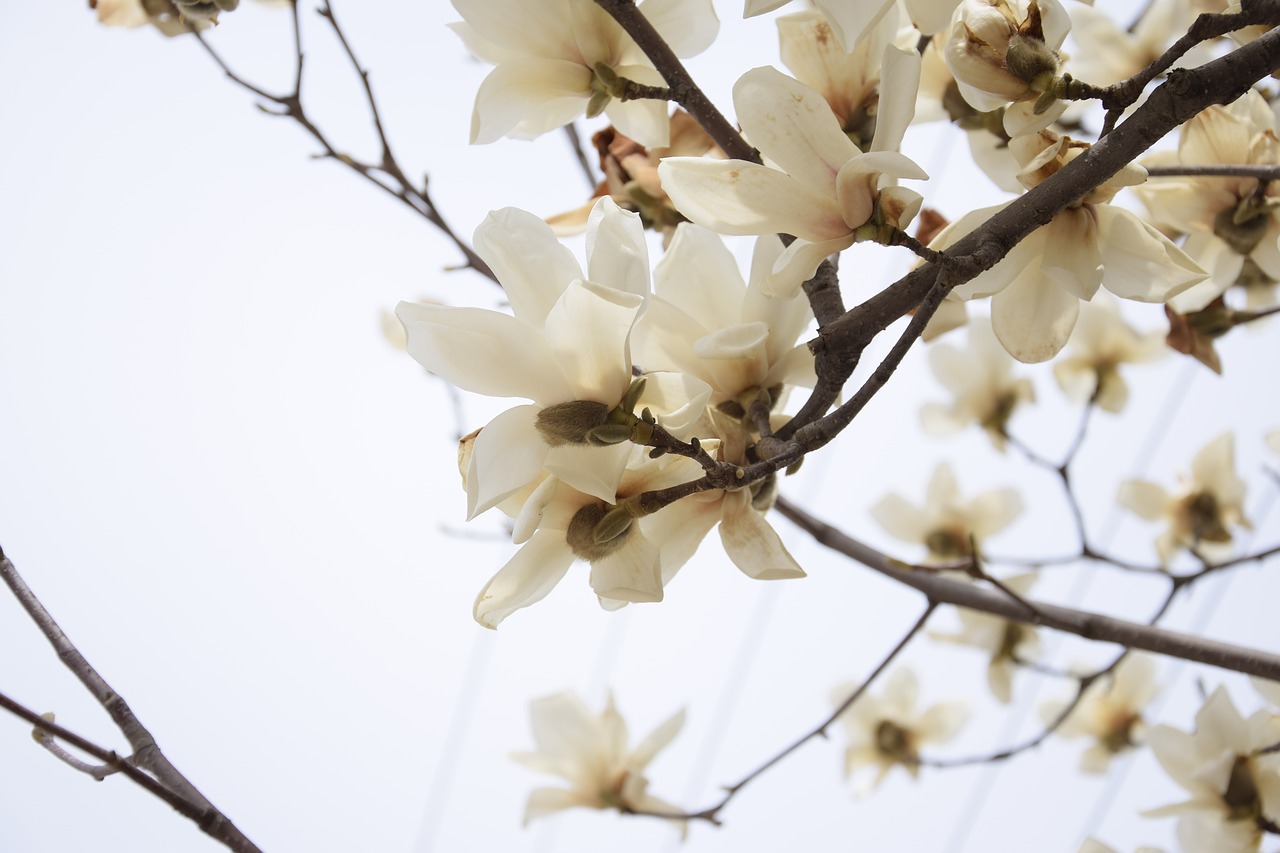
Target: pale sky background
(242, 503)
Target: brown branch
(1091, 626)
(1216, 170)
(146, 752)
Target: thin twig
(1216, 170)
(580, 154)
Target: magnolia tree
(764, 264)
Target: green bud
(607, 434)
(616, 523)
(597, 103)
(1242, 227)
(571, 423)
(632, 397)
(587, 534)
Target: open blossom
(1233, 224)
(1037, 287)
(1006, 52)
(824, 190)
(1100, 343)
(1233, 788)
(947, 524)
(565, 347)
(1105, 52)
(591, 752)
(981, 378)
(1201, 513)
(1006, 642)
(1109, 712)
(557, 59)
(171, 17)
(887, 731)
(851, 21)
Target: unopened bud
(597, 530)
(1031, 61)
(764, 493)
(571, 423)
(1241, 227)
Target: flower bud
(1031, 61)
(1242, 227)
(571, 423)
(597, 530)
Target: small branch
(1216, 170)
(146, 752)
(683, 90)
(712, 814)
(1091, 626)
(97, 771)
(580, 154)
(210, 820)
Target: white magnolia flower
(886, 731)
(171, 17)
(1233, 224)
(1007, 642)
(824, 189)
(1093, 845)
(1201, 513)
(1273, 440)
(564, 347)
(559, 58)
(1100, 343)
(1006, 52)
(1105, 52)
(947, 523)
(981, 378)
(1109, 712)
(591, 752)
(852, 21)
(1232, 786)
(704, 321)
(1036, 289)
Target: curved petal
(687, 26)
(675, 398)
(532, 265)
(617, 254)
(547, 801)
(656, 741)
(1071, 257)
(596, 471)
(741, 198)
(752, 544)
(799, 261)
(793, 126)
(529, 29)
(1033, 317)
(484, 352)
(1139, 262)
(644, 120)
(507, 455)
(588, 329)
(851, 20)
(941, 722)
(901, 519)
(681, 531)
(699, 275)
(526, 578)
(1147, 500)
(899, 83)
(631, 573)
(991, 512)
(524, 98)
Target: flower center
(1241, 795)
(894, 741)
(948, 544)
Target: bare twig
(1216, 170)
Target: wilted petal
(526, 578)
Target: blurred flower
(1273, 440)
(1109, 712)
(887, 731)
(1202, 512)
(1194, 333)
(1007, 642)
(1233, 224)
(1100, 343)
(171, 17)
(1104, 52)
(851, 21)
(947, 523)
(1037, 287)
(591, 753)
(1006, 51)
(981, 378)
(556, 59)
(1232, 786)
(825, 191)
(1093, 845)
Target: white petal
(645, 120)
(1140, 263)
(1033, 317)
(595, 471)
(631, 573)
(698, 274)
(899, 82)
(531, 28)
(1147, 500)
(902, 519)
(657, 741)
(799, 261)
(991, 512)
(752, 544)
(793, 126)
(525, 98)
(547, 801)
(687, 26)
(852, 19)
(741, 198)
(617, 254)
(506, 456)
(1071, 258)
(588, 329)
(526, 578)
(532, 265)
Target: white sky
(241, 502)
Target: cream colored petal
(506, 456)
(751, 8)
(942, 722)
(676, 399)
(942, 493)
(644, 120)
(752, 544)
(532, 265)
(547, 801)
(657, 740)
(631, 573)
(679, 529)
(899, 83)
(595, 471)
(617, 253)
(793, 126)
(535, 28)
(526, 578)
(1146, 499)
(525, 98)
(687, 26)
(1033, 317)
(799, 261)
(698, 274)
(741, 198)
(852, 20)
(588, 329)
(1000, 680)
(1138, 261)
(1071, 258)
(993, 511)
(902, 519)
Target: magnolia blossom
(592, 754)
(1037, 287)
(947, 523)
(1109, 712)
(1232, 786)
(171, 17)
(559, 58)
(1105, 52)
(1202, 512)
(1273, 440)
(1233, 224)
(825, 191)
(1093, 845)
(1007, 642)
(852, 21)
(1100, 343)
(565, 347)
(887, 731)
(1006, 51)
(981, 378)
